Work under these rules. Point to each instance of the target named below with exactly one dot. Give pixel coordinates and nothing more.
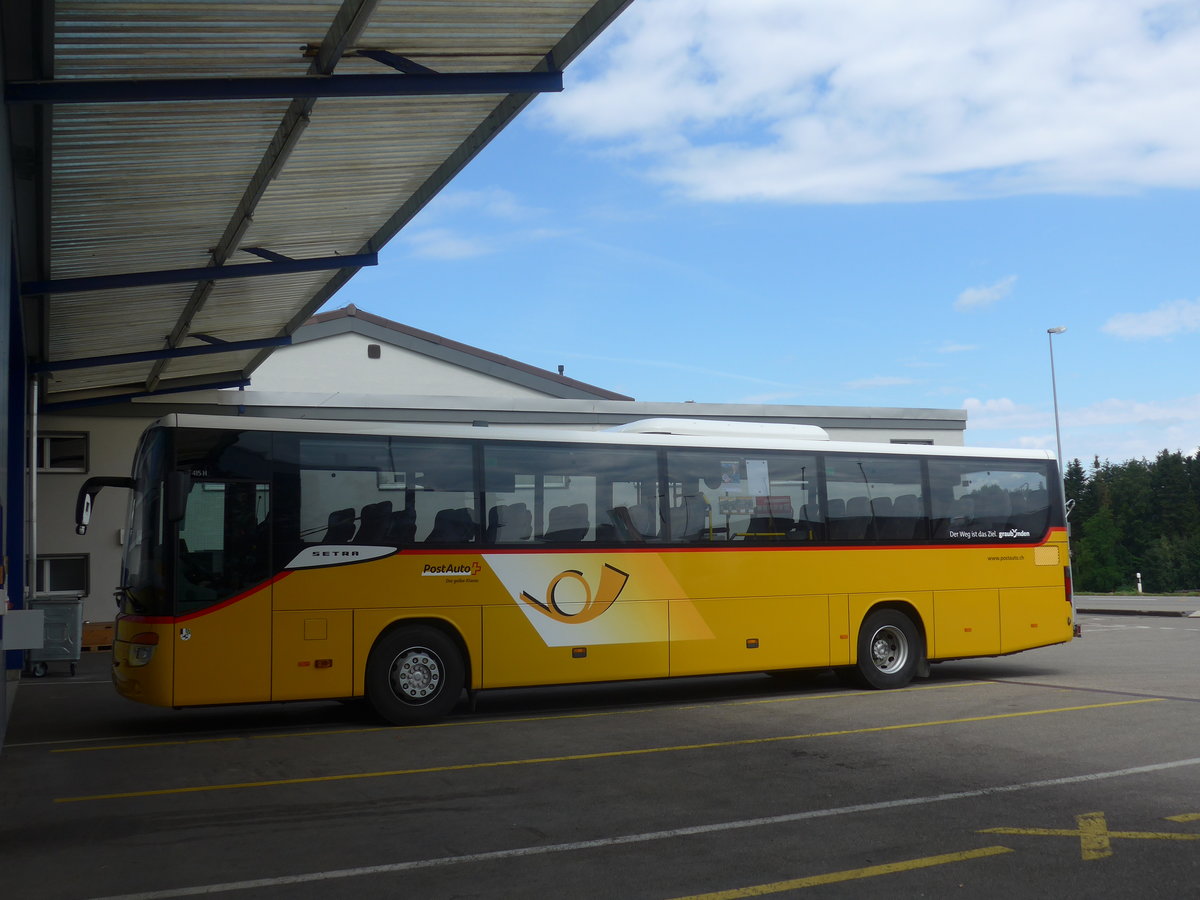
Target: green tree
(1175, 503)
(1166, 566)
(1101, 561)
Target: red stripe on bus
(167, 620)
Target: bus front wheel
(889, 649)
(414, 674)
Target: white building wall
(111, 444)
(340, 363)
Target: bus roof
(660, 432)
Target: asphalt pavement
(1137, 605)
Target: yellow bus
(271, 560)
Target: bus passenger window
(975, 500)
(379, 490)
(875, 498)
(564, 494)
(723, 495)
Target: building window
(62, 453)
(373, 351)
(925, 442)
(62, 574)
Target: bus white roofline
(551, 435)
(721, 429)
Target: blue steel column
(12, 468)
(12, 521)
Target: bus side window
(875, 498)
(979, 500)
(724, 495)
(565, 494)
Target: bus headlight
(141, 648)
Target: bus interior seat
(568, 523)
(452, 526)
(854, 523)
(808, 525)
(881, 517)
(1030, 510)
(623, 525)
(373, 522)
(401, 527)
(644, 518)
(340, 528)
(509, 522)
(992, 510)
(809, 515)
(689, 518)
(906, 520)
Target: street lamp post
(1050, 333)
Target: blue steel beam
(117, 359)
(396, 61)
(198, 274)
(148, 90)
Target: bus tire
(889, 649)
(414, 674)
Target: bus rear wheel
(889, 649)
(414, 674)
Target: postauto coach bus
(270, 560)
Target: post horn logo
(612, 582)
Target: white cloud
(1115, 429)
(461, 224)
(442, 243)
(1174, 317)
(985, 295)
(875, 100)
(1131, 412)
(957, 348)
(495, 203)
(1001, 413)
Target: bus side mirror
(179, 485)
(87, 498)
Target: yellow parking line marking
(179, 743)
(1186, 817)
(908, 865)
(147, 745)
(610, 754)
(1095, 838)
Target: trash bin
(63, 632)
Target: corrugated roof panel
(98, 323)
(156, 186)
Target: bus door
(222, 625)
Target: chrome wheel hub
(416, 675)
(889, 649)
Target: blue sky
(829, 203)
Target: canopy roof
(195, 176)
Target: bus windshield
(144, 568)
